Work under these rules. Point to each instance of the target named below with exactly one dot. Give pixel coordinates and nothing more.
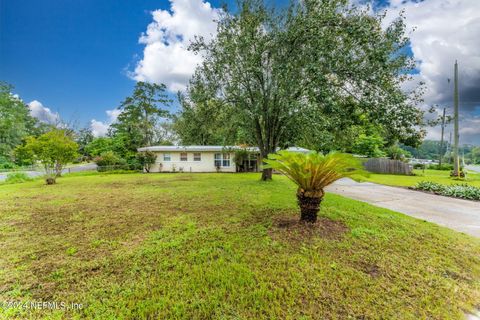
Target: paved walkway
(457, 214)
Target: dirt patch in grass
(292, 229)
(158, 182)
(371, 269)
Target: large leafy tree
(319, 59)
(140, 115)
(83, 137)
(207, 122)
(16, 123)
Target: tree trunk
(309, 203)
(58, 170)
(267, 174)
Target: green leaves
(140, 115)
(16, 123)
(314, 171)
(464, 190)
(313, 75)
(53, 149)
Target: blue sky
(81, 58)
(72, 55)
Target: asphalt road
(475, 168)
(83, 167)
(458, 214)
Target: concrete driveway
(457, 214)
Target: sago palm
(312, 172)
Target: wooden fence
(381, 165)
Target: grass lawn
(202, 246)
(439, 176)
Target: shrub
(312, 173)
(418, 166)
(396, 153)
(146, 160)
(17, 177)
(430, 186)
(108, 160)
(6, 164)
(442, 167)
(464, 190)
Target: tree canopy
(53, 150)
(16, 123)
(140, 114)
(310, 73)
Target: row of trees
(26, 141)
(140, 123)
(319, 74)
(433, 149)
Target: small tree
(146, 159)
(313, 172)
(53, 150)
(369, 145)
(396, 153)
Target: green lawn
(223, 246)
(439, 176)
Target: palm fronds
(314, 171)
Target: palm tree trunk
(309, 203)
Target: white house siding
(207, 163)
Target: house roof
(210, 148)
(298, 149)
(194, 148)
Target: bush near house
(108, 160)
(146, 159)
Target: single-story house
(206, 158)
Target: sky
(79, 59)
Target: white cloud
(166, 58)
(100, 128)
(42, 113)
(445, 31)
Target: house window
(183, 156)
(222, 160)
(197, 157)
(166, 157)
(226, 160)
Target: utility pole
(441, 140)
(456, 160)
(449, 145)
